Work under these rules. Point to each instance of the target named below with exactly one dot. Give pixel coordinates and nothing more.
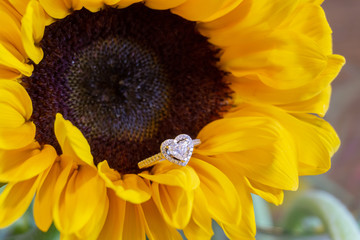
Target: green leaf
(336, 219)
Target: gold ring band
(150, 161)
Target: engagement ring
(178, 151)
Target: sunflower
(89, 88)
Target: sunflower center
(116, 78)
(128, 79)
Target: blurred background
(344, 113)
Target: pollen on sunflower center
(128, 79)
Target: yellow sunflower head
(90, 88)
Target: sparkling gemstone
(179, 150)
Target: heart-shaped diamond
(178, 150)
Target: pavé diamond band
(178, 151)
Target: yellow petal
(115, 217)
(319, 2)
(240, 139)
(32, 30)
(10, 117)
(184, 177)
(68, 237)
(20, 5)
(126, 3)
(10, 74)
(237, 232)
(318, 142)
(111, 2)
(273, 195)
(249, 16)
(275, 165)
(108, 174)
(200, 225)
(8, 59)
(15, 51)
(22, 164)
(15, 199)
(194, 231)
(172, 191)
(44, 199)
(174, 203)
(59, 8)
(74, 4)
(133, 221)
(93, 227)
(12, 10)
(127, 219)
(235, 135)
(319, 104)
(258, 19)
(10, 33)
(15, 95)
(93, 5)
(163, 4)
(226, 7)
(72, 141)
(15, 104)
(197, 10)
(155, 226)
(67, 166)
(222, 199)
(319, 32)
(129, 187)
(135, 189)
(79, 200)
(308, 98)
(280, 59)
(246, 228)
(17, 137)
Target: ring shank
(150, 161)
(196, 142)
